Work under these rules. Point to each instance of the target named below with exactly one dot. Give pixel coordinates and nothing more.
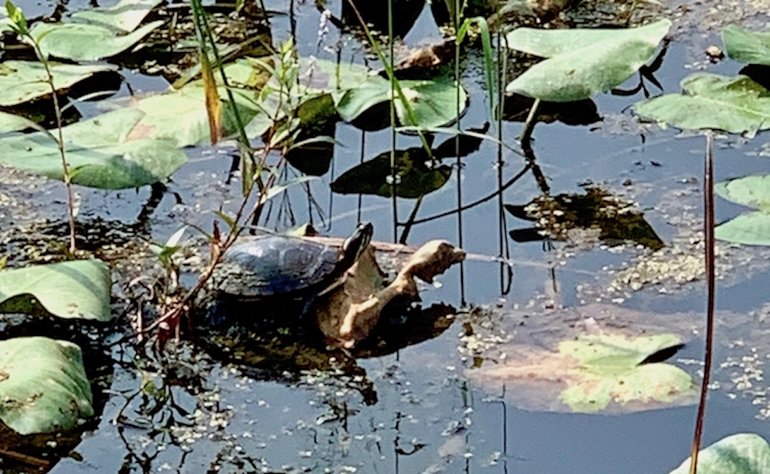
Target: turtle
(278, 266)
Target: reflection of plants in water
(173, 403)
(558, 217)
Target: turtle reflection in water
(282, 272)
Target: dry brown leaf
(348, 313)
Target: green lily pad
(746, 46)
(415, 176)
(101, 153)
(608, 372)
(611, 371)
(85, 42)
(5, 22)
(751, 228)
(433, 102)
(126, 15)
(582, 62)
(23, 81)
(751, 191)
(245, 76)
(162, 112)
(13, 123)
(77, 289)
(43, 385)
(733, 104)
(742, 453)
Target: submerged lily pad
(746, 46)
(100, 153)
(611, 370)
(77, 289)
(43, 385)
(415, 175)
(582, 62)
(557, 217)
(432, 102)
(742, 453)
(588, 373)
(23, 81)
(709, 101)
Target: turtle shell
(273, 265)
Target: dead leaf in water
(348, 313)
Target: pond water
(415, 410)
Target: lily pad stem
(529, 125)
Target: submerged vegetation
(106, 329)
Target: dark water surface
(427, 417)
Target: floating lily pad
(746, 46)
(77, 289)
(126, 15)
(751, 228)
(416, 175)
(607, 372)
(23, 81)
(5, 22)
(84, 42)
(433, 102)
(100, 152)
(96, 33)
(582, 62)
(162, 112)
(742, 453)
(43, 385)
(751, 191)
(733, 104)
(13, 123)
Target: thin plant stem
(62, 152)
(59, 138)
(393, 85)
(529, 125)
(481, 200)
(459, 195)
(708, 209)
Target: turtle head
(358, 241)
